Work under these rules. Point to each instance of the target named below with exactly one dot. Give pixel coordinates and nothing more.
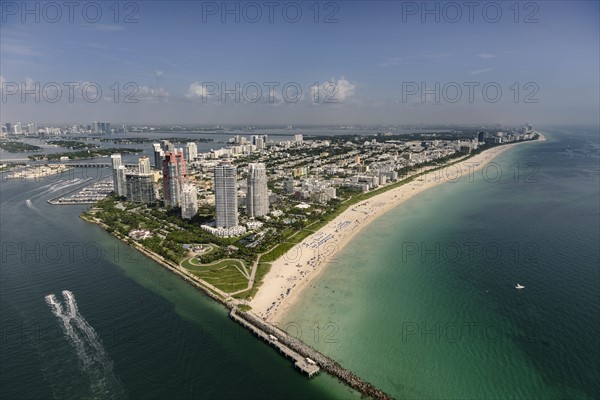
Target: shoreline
(209, 290)
(293, 272)
(253, 323)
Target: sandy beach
(293, 272)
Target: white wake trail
(84, 326)
(58, 311)
(90, 351)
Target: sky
(303, 62)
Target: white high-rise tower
(257, 198)
(226, 195)
(191, 151)
(119, 184)
(189, 201)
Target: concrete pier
(300, 351)
(301, 362)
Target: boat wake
(93, 358)
(30, 205)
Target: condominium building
(225, 196)
(257, 198)
(191, 151)
(118, 171)
(189, 201)
(140, 187)
(158, 155)
(174, 177)
(144, 165)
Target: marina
(89, 193)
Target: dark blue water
(133, 330)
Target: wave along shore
(295, 270)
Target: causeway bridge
(95, 165)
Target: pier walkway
(300, 351)
(302, 363)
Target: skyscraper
(158, 155)
(166, 145)
(189, 201)
(257, 198)
(181, 167)
(119, 185)
(226, 195)
(191, 151)
(174, 177)
(144, 165)
(140, 187)
(260, 143)
(101, 127)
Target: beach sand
(294, 271)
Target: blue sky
(371, 55)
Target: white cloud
(487, 56)
(334, 91)
(346, 89)
(30, 84)
(159, 73)
(481, 71)
(196, 91)
(148, 93)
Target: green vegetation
(18, 147)
(72, 144)
(222, 266)
(262, 270)
(9, 166)
(229, 275)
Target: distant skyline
(379, 57)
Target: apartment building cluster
(135, 184)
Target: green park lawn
(229, 275)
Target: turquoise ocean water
(423, 302)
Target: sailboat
(519, 286)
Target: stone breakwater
(326, 363)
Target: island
(84, 154)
